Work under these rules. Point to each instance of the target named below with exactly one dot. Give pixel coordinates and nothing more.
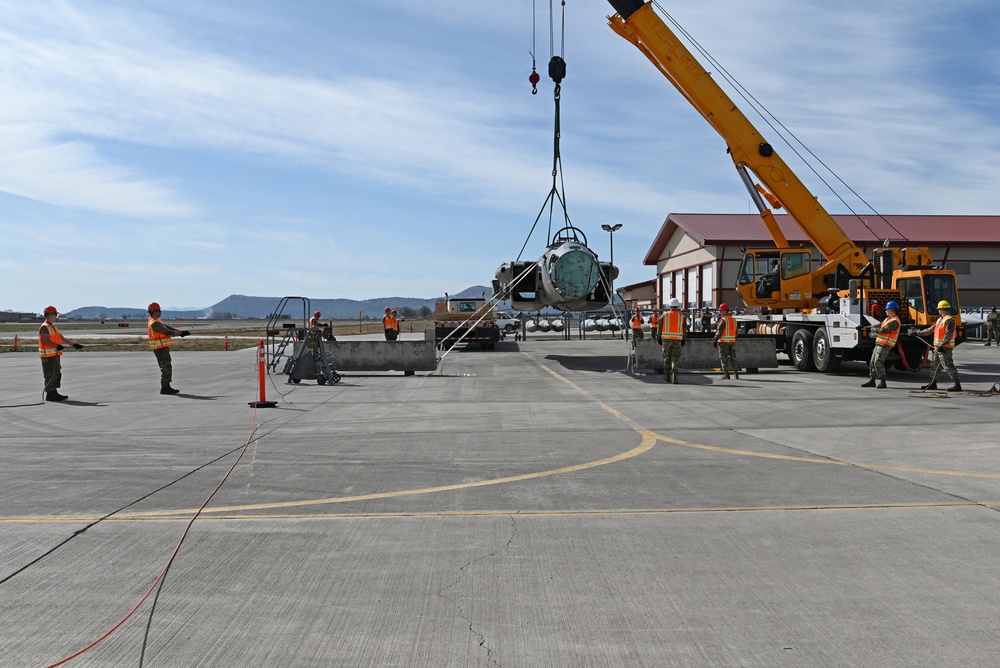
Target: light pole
(611, 229)
(611, 234)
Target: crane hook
(533, 78)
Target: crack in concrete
(461, 576)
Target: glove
(78, 346)
(184, 333)
(59, 346)
(683, 342)
(715, 344)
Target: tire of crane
(800, 350)
(824, 357)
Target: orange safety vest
(888, 338)
(395, 324)
(636, 321)
(387, 321)
(673, 329)
(156, 339)
(46, 350)
(941, 333)
(727, 329)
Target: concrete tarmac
(537, 505)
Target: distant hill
(243, 306)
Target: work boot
(881, 385)
(929, 386)
(55, 396)
(675, 381)
(666, 378)
(726, 377)
(987, 344)
(957, 387)
(168, 390)
(736, 374)
(870, 383)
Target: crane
(817, 311)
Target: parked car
(507, 322)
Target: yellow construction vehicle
(817, 311)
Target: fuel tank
(568, 276)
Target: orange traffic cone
(263, 403)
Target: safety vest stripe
(157, 339)
(729, 335)
(673, 327)
(888, 338)
(45, 350)
(941, 338)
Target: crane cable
(557, 72)
(768, 117)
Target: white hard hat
(674, 302)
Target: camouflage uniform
(727, 350)
(671, 347)
(943, 354)
(993, 326)
(636, 331)
(876, 365)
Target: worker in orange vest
(673, 329)
(314, 321)
(50, 349)
(636, 326)
(654, 325)
(159, 335)
(389, 325)
(725, 341)
(944, 344)
(886, 335)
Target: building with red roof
(697, 255)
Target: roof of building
(747, 229)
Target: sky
(182, 151)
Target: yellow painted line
(522, 513)
(648, 441)
(820, 460)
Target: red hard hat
(723, 306)
(153, 306)
(49, 310)
(317, 314)
(387, 309)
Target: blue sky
(183, 151)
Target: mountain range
(243, 306)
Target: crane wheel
(801, 350)
(824, 356)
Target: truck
(818, 312)
(465, 321)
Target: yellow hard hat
(943, 304)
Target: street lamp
(611, 229)
(611, 234)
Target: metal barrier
(698, 353)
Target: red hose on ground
(902, 356)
